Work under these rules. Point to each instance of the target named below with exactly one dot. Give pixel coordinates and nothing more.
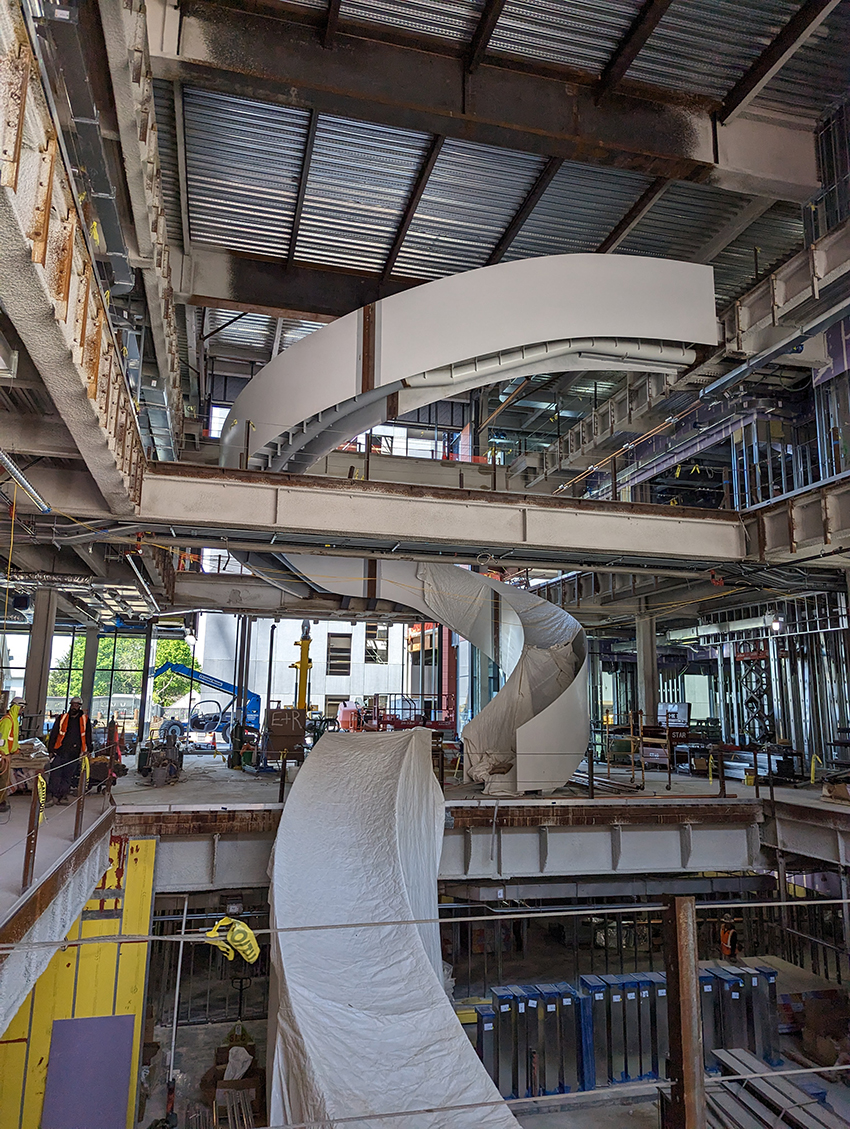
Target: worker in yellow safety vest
(70, 739)
(9, 733)
(729, 947)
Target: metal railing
(38, 784)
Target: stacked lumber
(765, 1100)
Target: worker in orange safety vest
(70, 738)
(9, 733)
(729, 947)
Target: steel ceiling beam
(643, 25)
(483, 33)
(266, 53)
(304, 176)
(45, 437)
(331, 23)
(796, 32)
(634, 215)
(547, 175)
(512, 528)
(418, 189)
(736, 226)
(223, 280)
(180, 134)
(248, 53)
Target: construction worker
(69, 739)
(9, 733)
(729, 947)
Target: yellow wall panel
(53, 998)
(96, 971)
(91, 980)
(133, 959)
(13, 1054)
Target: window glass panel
(332, 704)
(218, 414)
(339, 655)
(377, 643)
(14, 649)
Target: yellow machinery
(304, 665)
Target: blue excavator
(207, 715)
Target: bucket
(159, 776)
(749, 777)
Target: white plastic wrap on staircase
(364, 1025)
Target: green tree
(171, 686)
(126, 676)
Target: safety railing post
(32, 834)
(107, 792)
(81, 798)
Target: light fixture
(191, 640)
(8, 358)
(778, 622)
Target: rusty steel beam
(634, 215)
(796, 32)
(221, 279)
(252, 53)
(547, 175)
(418, 189)
(483, 34)
(331, 23)
(643, 25)
(685, 1108)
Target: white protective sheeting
(538, 722)
(364, 1025)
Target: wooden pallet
(766, 1100)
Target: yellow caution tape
(41, 788)
(815, 762)
(85, 767)
(238, 937)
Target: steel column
(146, 677)
(686, 1108)
(647, 668)
(89, 665)
(38, 659)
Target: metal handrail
(36, 814)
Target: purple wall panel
(88, 1073)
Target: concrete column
(89, 666)
(38, 660)
(647, 668)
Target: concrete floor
(55, 838)
(194, 1054)
(206, 780)
(599, 1115)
